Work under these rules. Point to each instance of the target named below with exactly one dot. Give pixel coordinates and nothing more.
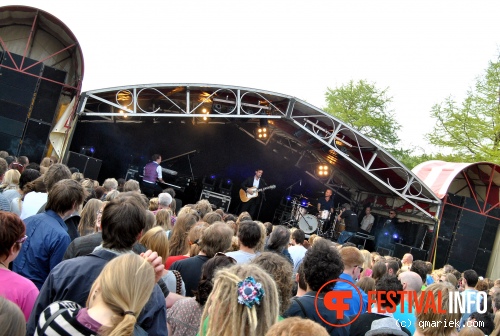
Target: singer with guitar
(253, 198)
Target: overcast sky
(422, 50)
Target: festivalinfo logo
(383, 302)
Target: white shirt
(33, 201)
(367, 222)
(241, 257)
(256, 182)
(297, 252)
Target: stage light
(288, 198)
(395, 236)
(209, 182)
(261, 133)
(386, 233)
(87, 150)
(205, 111)
(225, 186)
(322, 171)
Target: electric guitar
(253, 192)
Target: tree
(365, 108)
(471, 129)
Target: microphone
(300, 183)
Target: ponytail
(124, 326)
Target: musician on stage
(153, 175)
(253, 181)
(351, 223)
(326, 203)
(367, 221)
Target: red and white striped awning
(479, 180)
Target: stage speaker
(400, 250)
(418, 254)
(481, 261)
(451, 215)
(87, 165)
(442, 251)
(48, 94)
(490, 231)
(384, 251)
(35, 140)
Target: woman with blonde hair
(156, 240)
(88, 217)
(164, 219)
(10, 180)
(179, 244)
(367, 264)
(116, 299)
(244, 301)
(431, 323)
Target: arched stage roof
(355, 162)
(36, 34)
(480, 181)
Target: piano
(169, 171)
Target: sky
(422, 51)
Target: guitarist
(253, 181)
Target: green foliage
(365, 108)
(471, 129)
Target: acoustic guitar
(253, 192)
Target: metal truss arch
(357, 162)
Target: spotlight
(288, 198)
(209, 182)
(206, 113)
(395, 236)
(225, 186)
(261, 133)
(322, 171)
(87, 150)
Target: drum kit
(307, 222)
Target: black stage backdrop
(223, 150)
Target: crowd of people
(81, 258)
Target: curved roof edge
(26, 15)
(443, 177)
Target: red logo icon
(336, 300)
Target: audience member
(249, 235)
(156, 240)
(88, 217)
(352, 259)
(412, 283)
(236, 312)
(295, 326)
(278, 242)
(11, 319)
(14, 287)
(430, 322)
(216, 238)
(47, 236)
(322, 263)
(297, 250)
(185, 315)
(115, 300)
(27, 176)
(281, 271)
(363, 323)
(470, 296)
(123, 220)
(34, 202)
